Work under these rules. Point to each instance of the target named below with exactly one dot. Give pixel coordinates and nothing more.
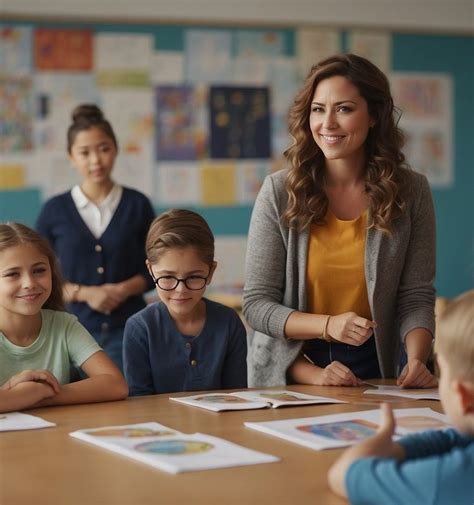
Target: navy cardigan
(114, 257)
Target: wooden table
(47, 467)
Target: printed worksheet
(169, 450)
(340, 430)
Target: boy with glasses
(184, 342)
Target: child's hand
(416, 375)
(37, 391)
(380, 445)
(44, 376)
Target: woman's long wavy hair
(14, 234)
(385, 169)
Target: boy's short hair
(179, 228)
(455, 336)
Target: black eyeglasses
(170, 282)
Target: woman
(341, 254)
(98, 232)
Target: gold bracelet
(326, 336)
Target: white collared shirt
(97, 217)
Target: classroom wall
(410, 52)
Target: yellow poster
(218, 183)
(12, 176)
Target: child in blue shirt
(184, 342)
(431, 468)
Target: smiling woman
(340, 260)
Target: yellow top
(335, 273)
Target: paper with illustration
(247, 400)
(340, 430)
(166, 449)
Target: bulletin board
(200, 116)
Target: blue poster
(239, 122)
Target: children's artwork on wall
(12, 175)
(57, 49)
(167, 67)
(240, 122)
(375, 46)
(56, 95)
(16, 115)
(426, 103)
(315, 44)
(259, 43)
(250, 176)
(123, 59)
(177, 136)
(208, 56)
(219, 184)
(15, 50)
(177, 184)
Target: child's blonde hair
(455, 336)
(14, 234)
(179, 228)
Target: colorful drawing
(240, 122)
(420, 423)
(129, 432)
(63, 49)
(175, 447)
(177, 135)
(220, 399)
(347, 431)
(15, 50)
(16, 115)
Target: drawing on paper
(129, 432)
(347, 431)
(175, 447)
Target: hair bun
(87, 111)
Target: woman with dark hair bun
(341, 247)
(98, 231)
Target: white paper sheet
(340, 430)
(152, 444)
(16, 421)
(414, 394)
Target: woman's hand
(335, 374)
(350, 328)
(42, 376)
(416, 375)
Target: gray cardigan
(399, 271)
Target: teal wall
(411, 52)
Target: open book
(340, 430)
(247, 400)
(169, 450)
